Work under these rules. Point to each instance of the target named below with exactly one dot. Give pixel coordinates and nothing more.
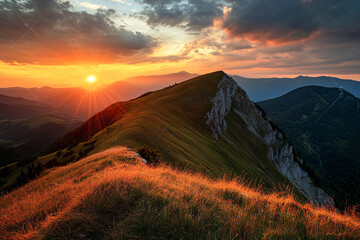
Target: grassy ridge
(113, 195)
(172, 120)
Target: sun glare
(91, 79)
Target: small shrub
(151, 156)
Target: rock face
(230, 97)
(222, 101)
(282, 154)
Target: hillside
(17, 107)
(205, 124)
(19, 101)
(77, 103)
(26, 139)
(114, 195)
(260, 89)
(323, 124)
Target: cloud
(92, 6)
(293, 20)
(313, 36)
(283, 48)
(59, 35)
(261, 20)
(279, 34)
(194, 15)
(240, 44)
(123, 2)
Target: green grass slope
(323, 124)
(172, 120)
(113, 195)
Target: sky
(60, 43)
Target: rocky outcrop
(280, 152)
(222, 101)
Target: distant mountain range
(82, 104)
(17, 107)
(323, 124)
(14, 101)
(79, 103)
(260, 89)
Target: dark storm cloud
(270, 19)
(60, 33)
(192, 14)
(284, 48)
(262, 20)
(289, 20)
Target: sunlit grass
(113, 195)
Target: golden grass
(113, 195)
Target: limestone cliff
(230, 97)
(222, 101)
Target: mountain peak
(189, 99)
(206, 123)
(222, 101)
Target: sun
(91, 79)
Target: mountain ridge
(222, 105)
(322, 123)
(260, 89)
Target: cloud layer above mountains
(302, 34)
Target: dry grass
(113, 195)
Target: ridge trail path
(340, 95)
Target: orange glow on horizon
(31, 75)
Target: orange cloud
(49, 32)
